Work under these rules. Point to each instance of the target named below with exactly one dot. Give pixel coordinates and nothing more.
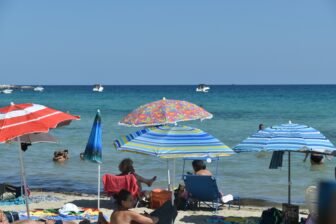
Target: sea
(237, 111)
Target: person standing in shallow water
(315, 158)
(261, 127)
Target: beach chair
(113, 184)
(204, 189)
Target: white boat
(38, 89)
(7, 91)
(202, 88)
(98, 88)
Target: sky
(79, 42)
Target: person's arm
(141, 219)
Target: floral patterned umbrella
(165, 112)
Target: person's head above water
(261, 127)
(126, 166)
(124, 199)
(198, 165)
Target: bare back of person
(204, 172)
(130, 217)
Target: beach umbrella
(17, 120)
(287, 138)
(173, 142)
(93, 150)
(165, 111)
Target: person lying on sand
(4, 220)
(122, 215)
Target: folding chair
(204, 189)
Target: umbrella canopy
(93, 150)
(173, 142)
(20, 119)
(287, 137)
(36, 138)
(164, 112)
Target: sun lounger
(204, 189)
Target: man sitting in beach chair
(202, 187)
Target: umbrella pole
(23, 178)
(98, 186)
(184, 166)
(217, 167)
(289, 177)
(168, 174)
(173, 182)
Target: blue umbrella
(287, 137)
(93, 150)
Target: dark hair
(198, 165)
(122, 196)
(261, 126)
(126, 166)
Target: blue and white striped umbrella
(173, 142)
(287, 137)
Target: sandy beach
(249, 208)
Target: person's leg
(166, 213)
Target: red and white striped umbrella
(20, 119)
(17, 120)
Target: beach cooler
(158, 197)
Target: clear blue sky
(168, 42)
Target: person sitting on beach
(61, 156)
(122, 215)
(200, 168)
(126, 167)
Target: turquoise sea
(237, 111)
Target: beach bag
(271, 216)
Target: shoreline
(249, 207)
(257, 202)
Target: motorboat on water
(98, 88)
(38, 89)
(7, 91)
(202, 88)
